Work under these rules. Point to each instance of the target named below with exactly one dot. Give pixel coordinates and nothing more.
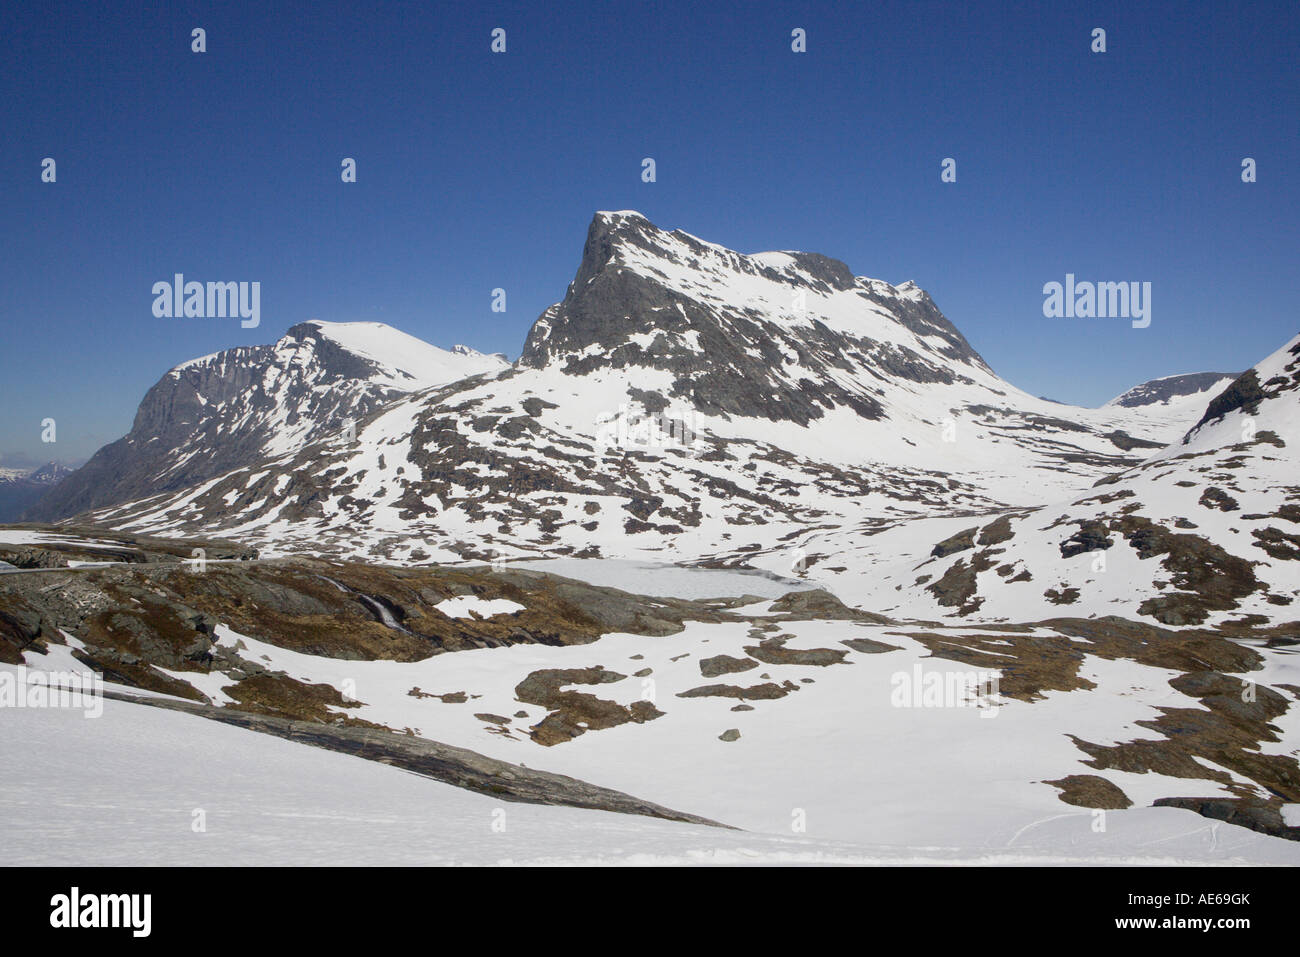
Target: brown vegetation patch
(773, 652)
(960, 542)
(1090, 790)
(1215, 497)
(725, 665)
(764, 692)
(997, 532)
(282, 696)
(1281, 545)
(573, 713)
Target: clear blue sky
(479, 170)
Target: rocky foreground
(482, 677)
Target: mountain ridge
(830, 400)
(218, 412)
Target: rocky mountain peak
(225, 410)
(777, 335)
(1265, 394)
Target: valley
(676, 563)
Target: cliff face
(780, 336)
(238, 407)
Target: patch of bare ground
(963, 540)
(279, 695)
(1090, 790)
(1284, 546)
(957, 587)
(816, 604)
(772, 651)
(725, 665)
(1210, 742)
(868, 646)
(1214, 497)
(573, 713)
(1207, 577)
(996, 532)
(765, 692)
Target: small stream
(376, 606)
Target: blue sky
(478, 171)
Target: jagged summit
(780, 335)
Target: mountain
(1193, 389)
(777, 336)
(22, 487)
(683, 399)
(899, 544)
(1205, 531)
(234, 408)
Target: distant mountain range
(877, 510)
(1197, 386)
(23, 487)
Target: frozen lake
(668, 581)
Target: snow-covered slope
(1205, 531)
(683, 399)
(814, 753)
(269, 802)
(1194, 389)
(403, 362)
(238, 407)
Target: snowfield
(70, 806)
(844, 768)
(876, 604)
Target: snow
(22, 536)
(410, 363)
(201, 360)
(1197, 399)
(468, 606)
(183, 790)
(668, 581)
(777, 260)
(824, 752)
